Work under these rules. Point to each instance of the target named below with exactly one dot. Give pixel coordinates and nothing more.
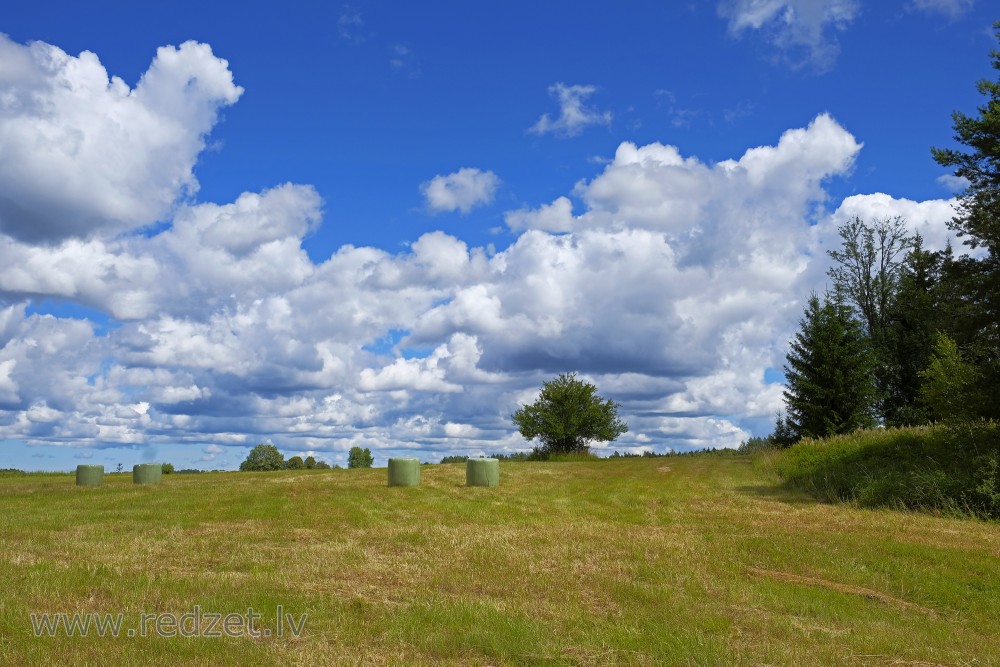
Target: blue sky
(385, 224)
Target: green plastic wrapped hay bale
(482, 472)
(89, 475)
(147, 473)
(404, 472)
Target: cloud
(574, 114)
(554, 217)
(351, 25)
(85, 155)
(928, 218)
(252, 246)
(462, 190)
(950, 8)
(402, 59)
(671, 282)
(953, 183)
(802, 31)
(674, 288)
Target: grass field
(697, 560)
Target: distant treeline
(538, 456)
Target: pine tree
(978, 224)
(829, 373)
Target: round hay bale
(404, 472)
(89, 475)
(147, 473)
(482, 472)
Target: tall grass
(952, 469)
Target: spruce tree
(918, 311)
(829, 372)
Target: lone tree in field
(263, 457)
(360, 458)
(568, 415)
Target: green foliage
(310, 462)
(868, 270)
(954, 470)
(754, 444)
(645, 455)
(568, 415)
(295, 463)
(572, 457)
(977, 280)
(784, 432)
(869, 265)
(360, 458)
(263, 457)
(830, 384)
(167, 469)
(321, 465)
(456, 459)
(515, 456)
(920, 308)
(950, 384)
(978, 220)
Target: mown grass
(699, 560)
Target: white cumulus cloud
(462, 190)
(86, 155)
(574, 113)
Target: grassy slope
(681, 561)
(952, 470)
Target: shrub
(167, 468)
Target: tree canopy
(360, 458)
(569, 415)
(263, 457)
